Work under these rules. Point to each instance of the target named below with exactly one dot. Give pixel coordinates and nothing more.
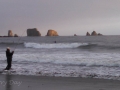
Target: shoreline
(23, 82)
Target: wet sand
(20, 82)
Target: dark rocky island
(93, 34)
(87, 34)
(15, 35)
(33, 32)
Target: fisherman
(9, 58)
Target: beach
(22, 82)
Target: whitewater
(80, 56)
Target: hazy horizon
(67, 17)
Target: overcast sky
(67, 17)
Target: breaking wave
(71, 45)
(54, 45)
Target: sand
(20, 82)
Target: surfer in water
(55, 42)
(9, 58)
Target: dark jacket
(9, 54)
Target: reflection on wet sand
(8, 83)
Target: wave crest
(53, 45)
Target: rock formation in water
(10, 34)
(33, 32)
(15, 35)
(75, 34)
(94, 33)
(52, 33)
(99, 34)
(87, 34)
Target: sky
(67, 17)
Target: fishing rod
(18, 41)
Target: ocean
(70, 56)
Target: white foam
(66, 64)
(53, 45)
(81, 58)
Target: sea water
(70, 56)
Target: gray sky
(67, 17)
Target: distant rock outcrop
(94, 33)
(15, 35)
(33, 32)
(87, 34)
(10, 34)
(75, 34)
(52, 33)
(99, 34)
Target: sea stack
(94, 33)
(87, 34)
(99, 34)
(15, 35)
(75, 34)
(10, 34)
(52, 33)
(33, 32)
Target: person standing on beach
(9, 58)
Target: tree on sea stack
(52, 33)
(10, 34)
(33, 32)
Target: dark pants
(9, 61)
